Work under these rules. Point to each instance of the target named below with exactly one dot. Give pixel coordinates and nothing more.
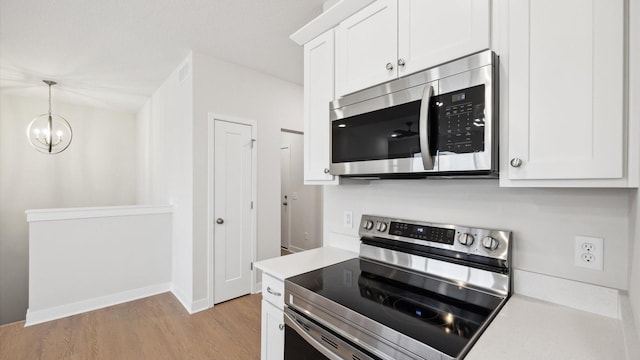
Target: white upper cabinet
(366, 47)
(318, 92)
(566, 95)
(432, 32)
(394, 38)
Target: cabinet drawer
(273, 290)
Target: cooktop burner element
(418, 290)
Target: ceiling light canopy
(49, 133)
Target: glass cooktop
(438, 313)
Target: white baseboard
(184, 300)
(582, 296)
(58, 312)
(295, 249)
(196, 306)
(192, 307)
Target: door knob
(219, 221)
(326, 171)
(401, 62)
(389, 66)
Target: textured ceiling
(115, 53)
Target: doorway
(300, 204)
(285, 192)
(232, 220)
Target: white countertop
(524, 329)
(527, 328)
(283, 267)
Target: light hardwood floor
(156, 327)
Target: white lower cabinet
(272, 324)
(272, 332)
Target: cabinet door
(566, 90)
(272, 333)
(366, 47)
(432, 32)
(318, 92)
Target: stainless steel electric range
(418, 290)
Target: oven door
(305, 339)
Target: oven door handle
(308, 338)
(425, 125)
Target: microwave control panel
(461, 120)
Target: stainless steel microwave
(439, 122)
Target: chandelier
(49, 133)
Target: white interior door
(232, 210)
(285, 196)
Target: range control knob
(465, 239)
(381, 226)
(368, 225)
(490, 243)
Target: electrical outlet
(588, 258)
(347, 220)
(588, 247)
(589, 252)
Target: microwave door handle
(425, 125)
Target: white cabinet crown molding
(328, 20)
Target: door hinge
(252, 142)
(252, 266)
(252, 205)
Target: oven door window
(389, 133)
(296, 348)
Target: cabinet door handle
(515, 162)
(281, 326)
(326, 171)
(401, 62)
(274, 293)
(389, 66)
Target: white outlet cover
(348, 219)
(598, 252)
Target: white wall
(96, 170)
(165, 125)
(173, 160)
(306, 206)
(232, 90)
(88, 258)
(544, 221)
